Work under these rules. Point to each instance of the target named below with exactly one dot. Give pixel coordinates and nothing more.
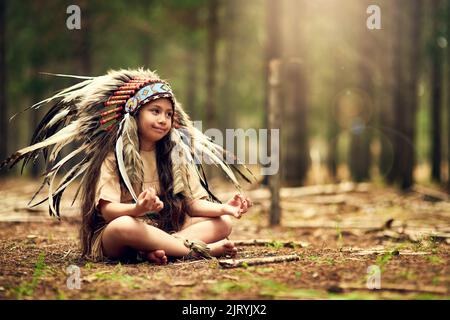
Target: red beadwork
(126, 97)
(103, 121)
(113, 102)
(129, 87)
(111, 111)
(121, 92)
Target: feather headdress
(89, 112)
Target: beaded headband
(129, 97)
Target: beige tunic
(108, 188)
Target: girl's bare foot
(223, 247)
(157, 256)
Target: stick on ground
(235, 263)
(265, 242)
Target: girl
(142, 194)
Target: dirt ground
(353, 242)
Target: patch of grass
(383, 260)
(434, 260)
(89, 265)
(435, 281)
(114, 276)
(428, 296)
(275, 244)
(275, 289)
(60, 295)
(408, 275)
(27, 288)
(314, 258)
(298, 274)
(353, 296)
(117, 275)
(226, 286)
(265, 270)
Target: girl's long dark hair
(91, 219)
(172, 216)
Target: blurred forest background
(354, 103)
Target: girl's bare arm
(235, 207)
(147, 201)
(113, 210)
(205, 208)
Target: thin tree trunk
(332, 124)
(296, 156)
(273, 51)
(83, 50)
(360, 157)
(409, 116)
(211, 67)
(192, 57)
(3, 106)
(229, 118)
(398, 93)
(448, 97)
(37, 86)
(192, 80)
(436, 98)
(386, 93)
(274, 122)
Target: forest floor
(347, 237)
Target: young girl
(142, 194)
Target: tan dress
(108, 188)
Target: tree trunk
(436, 97)
(360, 157)
(192, 57)
(83, 49)
(211, 67)
(398, 97)
(448, 97)
(192, 80)
(230, 35)
(273, 51)
(409, 116)
(386, 93)
(296, 154)
(3, 106)
(274, 122)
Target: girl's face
(155, 120)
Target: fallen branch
(431, 195)
(235, 263)
(267, 242)
(364, 252)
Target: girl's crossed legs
(127, 232)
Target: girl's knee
(227, 224)
(123, 227)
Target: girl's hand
(148, 201)
(237, 205)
